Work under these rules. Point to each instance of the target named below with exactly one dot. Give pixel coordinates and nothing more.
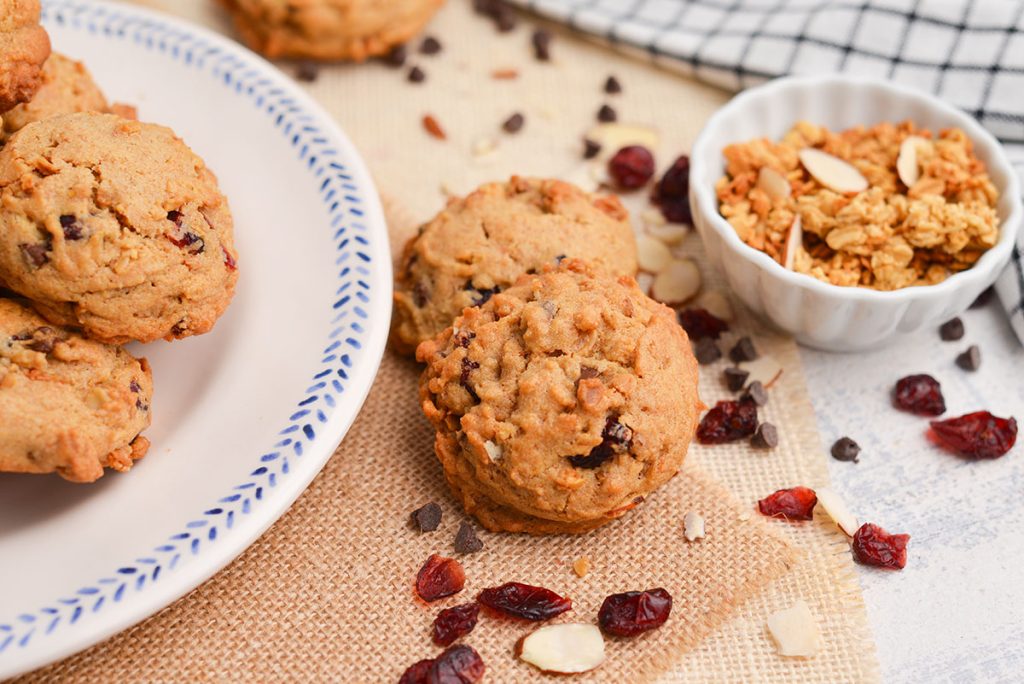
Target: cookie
(562, 402)
(328, 29)
(115, 227)
(481, 244)
(66, 87)
(67, 404)
(24, 46)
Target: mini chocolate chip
(757, 393)
(397, 56)
(541, 40)
(417, 75)
(514, 123)
(612, 86)
(606, 114)
(743, 350)
(970, 359)
(71, 227)
(591, 148)
(175, 217)
(430, 46)
(845, 449)
(587, 372)
(706, 351)
(983, 298)
(43, 340)
(616, 438)
(765, 437)
(735, 378)
(951, 330)
(427, 517)
(464, 338)
(466, 540)
(134, 387)
(35, 254)
(307, 70)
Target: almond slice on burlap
(795, 631)
(677, 283)
(832, 172)
(568, 648)
(652, 255)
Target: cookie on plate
(329, 29)
(482, 243)
(560, 403)
(24, 46)
(67, 404)
(115, 227)
(66, 87)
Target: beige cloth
(326, 593)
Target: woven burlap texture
(326, 593)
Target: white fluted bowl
(819, 314)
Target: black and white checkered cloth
(968, 52)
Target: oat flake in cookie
(480, 244)
(67, 404)
(115, 227)
(562, 402)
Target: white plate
(245, 416)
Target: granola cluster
(886, 237)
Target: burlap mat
(326, 593)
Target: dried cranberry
(481, 295)
(631, 167)
(73, 230)
(468, 367)
(524, 601)
(977, 435)
(229, 260)
(792, 504)
(634, 612)
(920, 394)
(457, 665)
(182, 237)
(672, 192)
(37, 254)
(874, 546)
(451, 624)
(700, 323)
(439, 577)
(417, 672)
(727, 422)
(616, 438)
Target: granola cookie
(329, 29)
(67, 404)
(24, 46)
(562, 402)
(66, 87)
(115, 227)
(482, 243)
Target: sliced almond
(672, 234)
(614, 136)
(678, 282)
(564, 649)
(773, 183)
(764, 369)
(652, 255)
(794, 241)
(494, 451)
(837, 510)
(717, 304)
(907, 166)
(644, 281)
(832, 172)
(795, 631)
(652, 216)
(693, 526)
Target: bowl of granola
(847, 211)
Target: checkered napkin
(969, 52)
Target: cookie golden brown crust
(329, 29)
(115, 227)
(482, 243)
(560, 403)
(24, 46)
(67, 404)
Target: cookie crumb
(426, 518)
(505, 74)
(581, 566)
(466, 540)
(432, 127)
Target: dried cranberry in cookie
(562, 402)
(480, 244)
(115, 227)
(67, 404)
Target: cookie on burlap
(482, 243)
(115, 227)
(24, 46)
(562, 402)
(66, 87)
(329, 29)
(67, 404)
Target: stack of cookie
(111, 231)
(561, 394)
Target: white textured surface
(956, 611)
